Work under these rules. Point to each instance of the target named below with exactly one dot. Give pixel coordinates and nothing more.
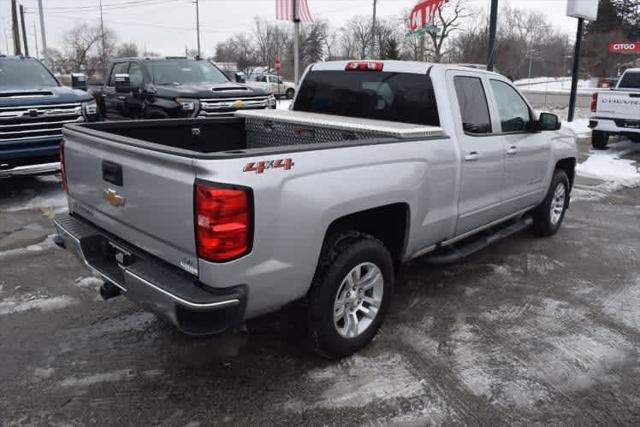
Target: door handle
(471, 157)
(512, 150)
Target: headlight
(188, 105)
(271, 101)
(90, 109)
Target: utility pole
(24, 32)
(104, 48)
(35, 38)
(373, 31)
(44, 37)
(198, 24)
(296, 40)
(14, 29)
(493, 28)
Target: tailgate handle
(112, 172)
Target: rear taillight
(594, 102)
(364, 66)
(223, 222)
(63, 172)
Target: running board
(457, 251)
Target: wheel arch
(568, 165)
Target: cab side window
(514, 112)
(136, 78)
(474, 108)
(119, 68)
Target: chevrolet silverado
(210, 222)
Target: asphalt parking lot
(531, 330)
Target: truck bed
(252, 130)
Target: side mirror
(548, 121)
(79, 81)
(240, 78)
(123, 84)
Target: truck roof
(398, 66)
(155, 58)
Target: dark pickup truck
(33, 108)
(160, 88)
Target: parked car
(212, 222)
(33, 108)
(276, 85)
(617, 112)
(161, 88)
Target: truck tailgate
(619, 104)
(142, 196)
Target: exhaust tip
(109, 290)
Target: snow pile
(283, 104)
(580, 127)
(609, 166)
(34, 302)
(46, 244)
(554, 84)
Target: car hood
(223, 90)
(48, 95)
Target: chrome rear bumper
(151, 283)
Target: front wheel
(548, 217)
(350, 294)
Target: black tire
(599, 139)
(340, 255)
(543, 222)
(290, 93)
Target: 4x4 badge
(260, 167)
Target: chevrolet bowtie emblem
(239, 104)
(112, 197)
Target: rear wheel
(599, 139)
(548, 217)
(350, 294)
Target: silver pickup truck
(209, 222)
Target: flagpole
(296, 40)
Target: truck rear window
(630, 81)
(398, 97)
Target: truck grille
(37, 121)
(221, 107)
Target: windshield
(630, 80)
(24, 74)
(181, 72)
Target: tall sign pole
(493, 29)
(581, 9)
(42, 31)
(14, 29)
(575, 73)
(373, 30)
(24, 32)
(296, 40)
(104, 47)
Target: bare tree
(84, 47)
(356, 37)
(448, 19)
(127, 50)
(272, 41)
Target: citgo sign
(624, 47)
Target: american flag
(424, 12)
(284, 10)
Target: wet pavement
(527, 331)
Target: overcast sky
(167, 26)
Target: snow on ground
(283, 104)
(554, 84)
(29, 302)
(31, 249)
(580, 127)
(46, 193)
(608, 165)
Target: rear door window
(398, 97)
(474, 108)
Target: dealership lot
(529, 330)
